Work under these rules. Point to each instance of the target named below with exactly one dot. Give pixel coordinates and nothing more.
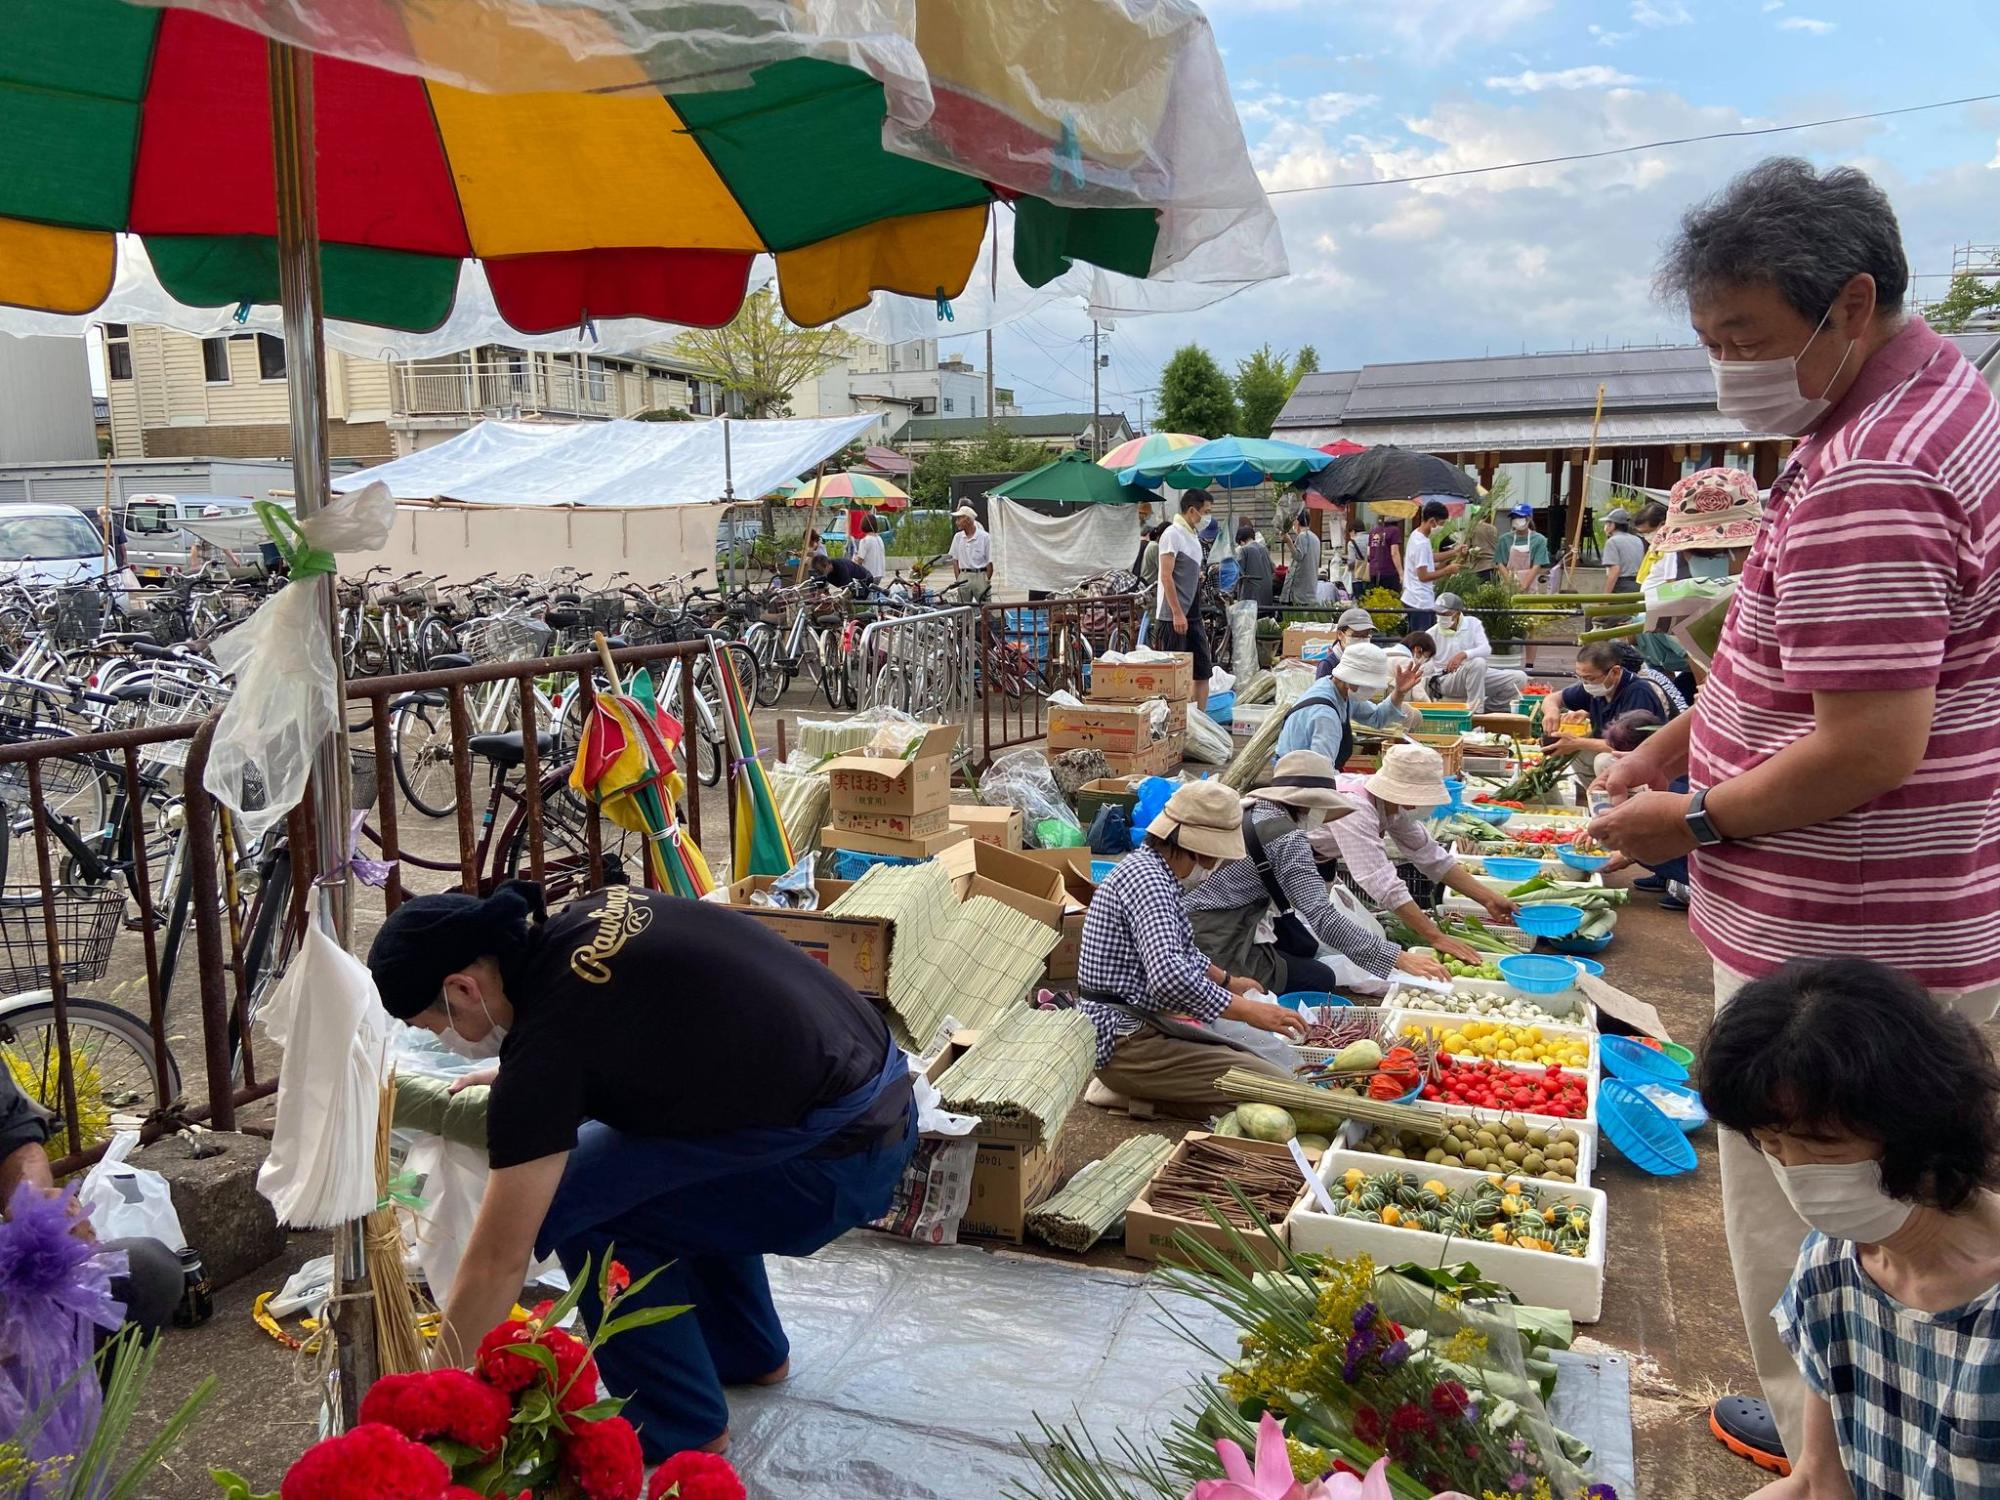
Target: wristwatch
(1698, 822)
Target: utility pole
(1096, 403)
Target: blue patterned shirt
(1138, 947)
(1915, 1395)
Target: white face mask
(1194, 877)
(483, 1050)
(1598, 689)
(1520, 523)
(1843, 1200)
(1764, 395)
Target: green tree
(994, 451)
(1263, 384)
(1195, 396)
(1969, 297)
(1305, 362)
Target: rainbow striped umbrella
(759, 844)
(627, 763)
(616, 198)
(852, 488)
(1140, 450)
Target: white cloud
(1271, 107)
(1771, 5)
(1994, 165)
(1593, 76)
(1422, 30)
(1661, 13)
(1807, 23)
(1607, 38)
(1329, 109)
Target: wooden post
(1580, 488)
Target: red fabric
(1341, 447)
(544, 293)
(854, 523)
(204, 164)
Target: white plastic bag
(1242, 637)
(286, 697)
(129, 1203)
(1207, 741)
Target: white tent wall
(464, 541)
(1033, 551)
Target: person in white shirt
(1177, 623)
(972, 554)
(1465, 667)
(1423, 566)
(869, 551)
(1623, 552)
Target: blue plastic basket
(1494, 815)
(1635, 1062)
(1293, 999)
(1500, 867)
(1222, 707)
(1548, 919)
(1575, 945)
(1689, 1124)
(1641, 1131)
(1589, 966)
(1456, 786)
(1590, 864)
(852, 864)
(1538, 974)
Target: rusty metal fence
(64, 927)
(1028, 651)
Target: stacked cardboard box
(1120, 719)
(884, 804)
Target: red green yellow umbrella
(1152, 445)
(617, 201)
(851, 488)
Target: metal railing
(1027, 651)
(505, 387)
(923, 664)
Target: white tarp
(614, 465)
(1034, 551)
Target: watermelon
(1265, 1122)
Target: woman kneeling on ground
(1151, 994)
(1880, 1111)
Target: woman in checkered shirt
(1880, 1112)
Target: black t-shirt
(665, 1017)
(841, 572)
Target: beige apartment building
(175, 395)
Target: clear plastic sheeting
(1133, 110)
(1022, 779)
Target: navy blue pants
(712, 1235)
(1675, 869)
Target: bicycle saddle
(507, 750)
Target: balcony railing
(503, 389)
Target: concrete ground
(1669, 1303)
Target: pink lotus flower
(1272, 1479)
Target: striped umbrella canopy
(1145, 449)
(1235, 463)
(627, 763)
(759, 844)
(620, 198)
(853, 487)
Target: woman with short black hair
(1879, 1111)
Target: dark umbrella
(1390, 473)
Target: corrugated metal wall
(45, 411)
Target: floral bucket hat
(1711, 508)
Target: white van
(155, 544)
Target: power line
(1681, 140)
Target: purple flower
(54, 1289)
(1364, 1315)
(1357, 1350)
(1395, 1354)
(1518, 1482)
(1600, 1492)
(1517, 1446)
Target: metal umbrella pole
(291, 74)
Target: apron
(611, 1172)
(1346, 750)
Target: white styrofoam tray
(1564, 1008)
(1540, 1277)
(1590, 1081)
(1354, 1132)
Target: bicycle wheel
(420, 731)
(373, 654)
(565, 844)
(434, 638)
(761, 640)
(266, 949)
(111, 1062)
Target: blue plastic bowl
(1500, 867)
(1295, 998)
(1588, 863)
(1494, 815)
(1688, 1124)
(1100, 870)
(1641, 1131)
(1589, 966)
(1635, 1062)
(1537, 974)
(1575, 945)
(1547, 919)
(1456, 786)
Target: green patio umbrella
(1074, 477)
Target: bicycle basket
(62, 776)
(79, 616)
(87, 921)
(607, 611)
(506, 637)
(178, 700)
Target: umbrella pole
(291, 76)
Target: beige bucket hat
(1207, 815)
(1304, 778)
(1411, 776)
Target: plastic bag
(1207, 741)
(1022, 779)
(130, 1203)
(1242, 637)
(1111, 830)
(1054, 833)
(794, 890)
(286, 701)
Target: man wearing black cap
(675, 1081)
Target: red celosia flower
(617, 1278)
(506, 1371)
(603, 1459)
(372, 1461)
(696, 1476)
(1450, 1400)
(1368, 1426)
(576, 1371)
(1409, 1418)
(440, 1404)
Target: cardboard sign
(1623, 1008)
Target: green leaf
(236, 1487)
(570, 1298)
(597, 1411)
(534, 1352)
(456, 1454)
(536, 1406)
(643, 1317)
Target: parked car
(45, 544)
(155, 542)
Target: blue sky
(1553, 257)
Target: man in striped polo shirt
(1845, 754)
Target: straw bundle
(1253, 762)
(1097, 1197)
(1304, 1099)
(399, 1344)
(802, 800)
(1027, 1069)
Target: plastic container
(1635, 1062)
(1690, 1113)
(1538, 974)
(1589, 966)
(1221, 707)
(1641, 1132)
(1549, 920)
(1575, 945)
(1294, 999)
(1682, 1055)
(1503, 868)
(1588, 863)
(1354, 1132)
(1100, 870)
(1494, 815)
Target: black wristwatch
(1698, 820)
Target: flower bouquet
(525, 1423)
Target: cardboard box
(1078, 888)
(1060, 970)
(884, 784)
(913, 848)
(1013, 1170)
(998, 826)
(979, 869)
(1150, 1235)
(1106, 791)
(1133, 682)
(1115, 728)
(1158, 759)
(855, 948)
(883, 825)
(1310, 641)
